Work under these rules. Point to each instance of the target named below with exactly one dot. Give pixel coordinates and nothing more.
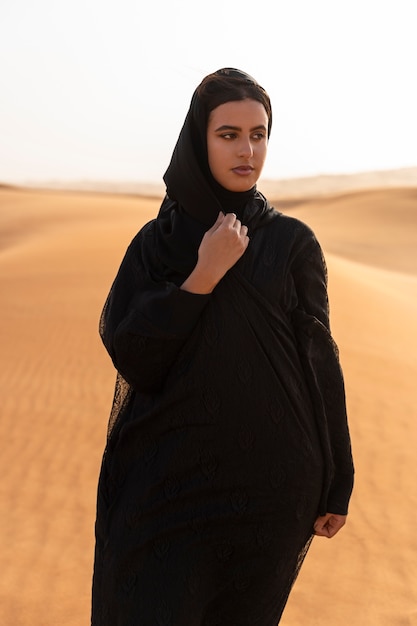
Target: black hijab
(193, 197)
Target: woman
(228, 442)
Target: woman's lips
(243, 170)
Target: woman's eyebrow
(230, 127)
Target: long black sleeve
(145, 321)
(320, 358)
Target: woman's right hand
(221, 247)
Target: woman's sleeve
(145, 323)
(320, 358)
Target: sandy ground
(58, 255)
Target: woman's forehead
(242, 111)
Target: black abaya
(216, 467)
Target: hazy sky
(98, 89)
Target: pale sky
(99, 89)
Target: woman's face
(237, 142)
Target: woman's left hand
(328, 525)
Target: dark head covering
(188, 178)
(192, 191)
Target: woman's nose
(245, 147)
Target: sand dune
(58, 255)
(376, 227)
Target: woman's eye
(255, 137)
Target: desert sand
(58, 256)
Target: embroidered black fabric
(228, 433)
